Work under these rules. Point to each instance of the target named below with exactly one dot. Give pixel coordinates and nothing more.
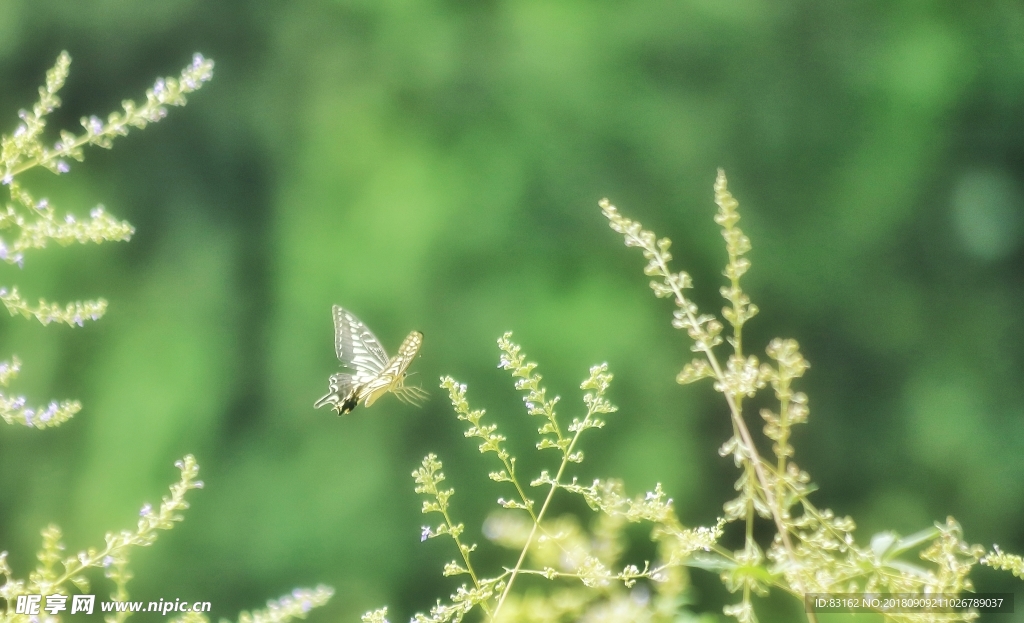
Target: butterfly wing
(357, 347)
(359, 350)
(392, 377)
(342, 394)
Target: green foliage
(997, 559)
(810, 550)
(36, 223)
(434, 165)
(48, 579)
(559, 547)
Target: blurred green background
(436, 165)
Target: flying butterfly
(372, 373)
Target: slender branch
(734, 408)
(543, 509)
(464, 550)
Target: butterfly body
(372, 373)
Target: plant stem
(465, 554)
(540, 515)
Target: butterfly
(373, 373)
